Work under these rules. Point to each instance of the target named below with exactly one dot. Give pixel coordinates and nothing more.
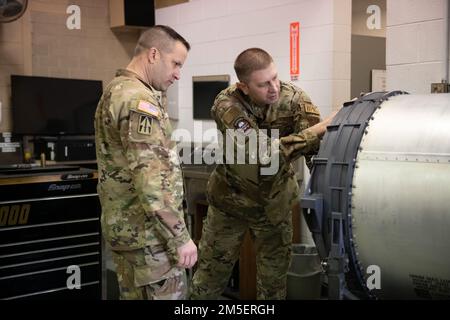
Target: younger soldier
(140, 183)
(240, 197)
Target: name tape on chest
(145, 125)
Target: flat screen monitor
(205, 90)
(53, 106)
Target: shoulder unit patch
(242, 124)
(145, 125)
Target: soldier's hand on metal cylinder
(187, 255)
(290, 144)
(324, 123)
(321, 127)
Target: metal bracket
(337, 259)
(312, 205)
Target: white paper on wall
(378, 80)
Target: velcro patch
(231, 115)
(242, 124)
(309, 108)
(145, 125)
(149, 108)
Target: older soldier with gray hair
(240, 197)
(140, 182)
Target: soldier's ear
(152, 55)
(243, 87)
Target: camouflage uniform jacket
(241, 187)
(139, 171)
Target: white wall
(415, 44)
(219, 30)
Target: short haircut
(160, 37)
(251, 60)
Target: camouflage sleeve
(307, 114)
(303, 142)
(156, 173)
(250, 145)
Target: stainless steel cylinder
(378, 201)
(401, 196)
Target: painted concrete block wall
(40, 44)
(13, 60)
(415, 44)
(92, 52)
(219, 30)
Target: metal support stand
(337, 259)
(335, 262)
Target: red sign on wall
(294, 36)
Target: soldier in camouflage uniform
(240, 197)
(140, 181)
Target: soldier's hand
(290, 144)
(321, 127)
(187, 255)
(327, 121)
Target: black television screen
(54, 106)
(205, 90)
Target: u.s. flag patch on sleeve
(148, 108)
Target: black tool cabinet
(50, 234)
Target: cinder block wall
(12, 61)
(415, 44)
(40, 44)
(218, 30)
